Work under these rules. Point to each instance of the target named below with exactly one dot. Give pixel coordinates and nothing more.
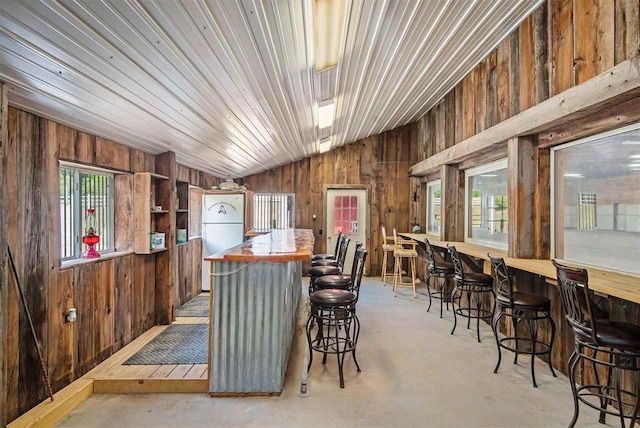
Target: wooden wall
(4, 106)
(562, 44)
(115, 298)
(380, 162)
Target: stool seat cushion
(337, 281)
(526, 300)
(324, 263)
(442, 267)
(332, 297)
(405, 253)
(388, 247)
(616, 334)
(477, 277)
(324, 257)
(318, 271)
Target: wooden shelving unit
(148, 186)
(182, 209)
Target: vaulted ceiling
(229, 85)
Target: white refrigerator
(222, 226)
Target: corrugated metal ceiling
(229, 85)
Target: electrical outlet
(71, 316)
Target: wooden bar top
(623, 286)
(277, 246)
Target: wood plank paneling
(380, 162)
(627, 37)
(115, 298)
(594, 38)
(4, 294)
(561, 35)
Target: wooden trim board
(149, 386)
(48, 413)
(615, 86)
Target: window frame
(286, 194)
(431, 184)
(554, 150)
(473, 172)
(77, 232)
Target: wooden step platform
(113, 377)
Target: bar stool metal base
(512, 343)
(619, 398)
(338, 331)
(470, 312)
(441, 293)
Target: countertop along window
(434, 211)
(486, 207)
(81, 189)
(596, 200)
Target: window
(434, 193)
(486, 208)
(273, 210)
(83, 189)
(345, 215)
(596, 200)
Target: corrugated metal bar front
(254, 313)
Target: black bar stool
(341, 281)
(442, 272)
(474, 285)
(520, 306)
(342, 254)
(619, 341)
(334, 312)
(321, 268)
(329, 256)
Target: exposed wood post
(522, 183)
(4, 297)
(452, 205)
(542, 225)
(166, 261)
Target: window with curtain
(487, 208)
(596, 200)
(273, 210)
(83, 190)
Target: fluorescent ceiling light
(631, 142)
(569, 174)
(326, 112)
(488, 175)
(635, 156)
(328, 26)
(325, 144)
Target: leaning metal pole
(33, 330)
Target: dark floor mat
(177, 344)
(196, 307)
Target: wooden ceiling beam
(618, 85)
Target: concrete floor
(414, 374)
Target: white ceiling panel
(229, 85)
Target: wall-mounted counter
(611, 283)
(255, 293)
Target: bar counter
(255, 293)
(623, 286)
